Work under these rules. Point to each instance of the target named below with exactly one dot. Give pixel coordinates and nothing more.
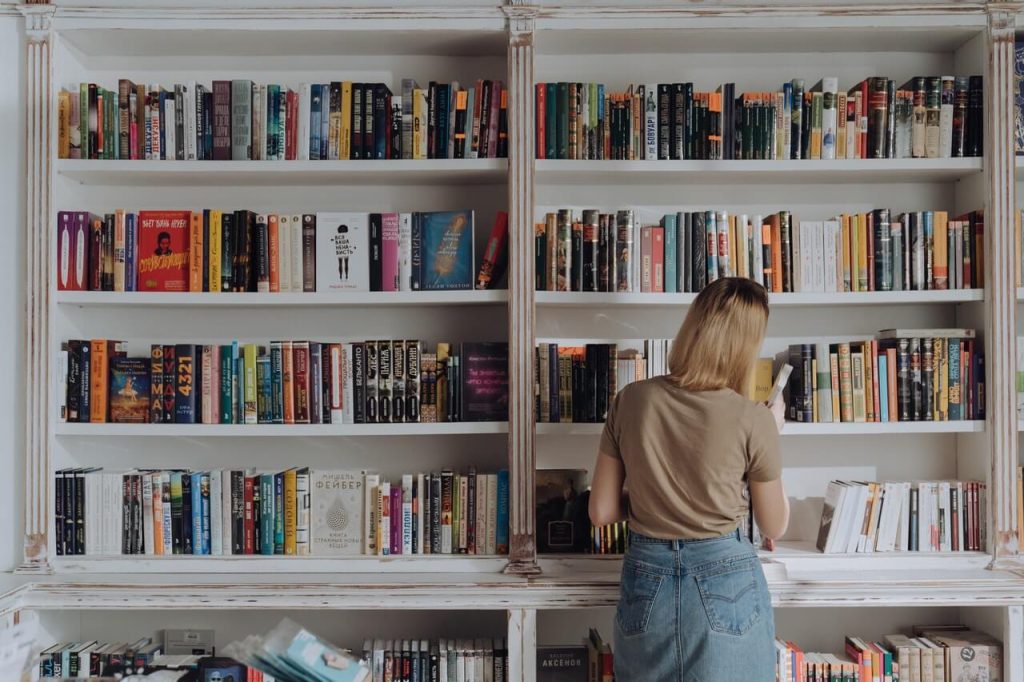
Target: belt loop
(677, 545)
(738, 536)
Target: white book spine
(147, 515)
(758, 250)
(336, 370)
(371, 490)
(405, 252)
(296, 252)
(492, 514)
(216, 514)
(165, 483)
(284, 248)
(91, 508)
(817, 242)
(407, 514)
(224, 509)
(832, 243)
(903, 530)
(170, 128)
(650, 121)
(191, 148)
(302, 149)
(801, 253)
(946, 118)
(725, 267)
(347, 406)
(384, 519)
(829, 88)
(302, 539)
(480, 522)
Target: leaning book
(293, 654)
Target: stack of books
(927, 117)
(244, 251)
(284, 382)
(236, 120)
(682, 252)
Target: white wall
(12, 278)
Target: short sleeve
(610, 435)
(764, 459)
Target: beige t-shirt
(688, 455)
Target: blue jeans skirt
(693, 611)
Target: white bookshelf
(627, 42)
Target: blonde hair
(721, 336)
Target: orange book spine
(98, 373)
(287, 382)
(274, 248)
(195, 252)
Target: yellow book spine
(345, 131)
(845, 258)
(862, 253)
(833, 361)
(64, 124)
(290, 512)
(215, 240)
(940, 263)
(814, 389)
(419, 128)
(195, 252)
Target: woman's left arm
(608, 502)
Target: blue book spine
(929, 245)
(204, 490)
(197, 515)
(325, 119)
(267, 511)
(501, 524)
(671, 267)
(315, 103)
(711, 240)
(883, 387)
(129, 252)
(279, 514)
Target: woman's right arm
(768, 498)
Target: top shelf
(285, 173)
(567, 172)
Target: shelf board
(801, 429)
(285, 173)
(576, 299)
(567, 172)
(288, 430)
(278, 564)
(355, 299)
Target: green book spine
(267, 513)
(226, 411)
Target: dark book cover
(262, 253)
(184, 383)
(398, 366)
(370, 382)
(381, 127)
(356, 135)
(412, 381)
(308, 252)
(484, 382)
(301, 380)
(878, 116)
(237, 529)
(561, 120)
(58, 510)
(316, 378)
(227, 250)
(975, 117)
(551, 118)
(590, 251)
(227, 362)
(575, 256)
(358, 383)
(325, 383)
(562, 664)
(187, 538)
(170, 381)
(129, 390)
(376, 252)
(562, 524)
(916, 381)
(126, 515)
(447, 250)
(369, 120)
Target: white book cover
(420, 526)
(831, 513)
(111, 540)
(829, 88)
(853, 522)
(284, 250)
(882, 528)
(872, 529)
(818, 247)
(91, 509)
(342, 252)
(296, 252)
(336, 508)
(405, 251)
(923, 518)
(407, 514)
(800, 252)
(895, 512)
(757, 223)
(442, 660)
(824, 376)
(371, 483)
(492, 514)
(480, 522)
(903, 530)
(378, 660)
(302, 150)
(650, 120)
(216, 515)
(347, 402)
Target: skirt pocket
(731, 596)
(639, 589)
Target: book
(446, 242)
(129, 390)
(336, 512)
(163, 250)
(342, 252)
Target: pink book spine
(492, 121)
(389, 252)
(215, 386)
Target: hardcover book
(336, 499)
(562, 524)
(129, 390)
(342, 252)
(163, 250)
(484, 382)
(562, 664)
(446, 240)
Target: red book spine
(96, 254)
(292, 136)
(300, 377)
(541, 109)
(249, 545)
(389, 252)
(492, 266)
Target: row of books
(285, 513)
(245, 251)
(612, 538)
(683, 252)
(404, 660)
(942, 653)
(903, 375)
(284, 382)
(243, 120)
(171, 649)
(926, 117)
(920, 516)
(592, 661)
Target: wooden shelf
(282, 430)
(567, 172)
(284, 173)
(355, 299)
(801, 429)
(576, 299)
(279, 564)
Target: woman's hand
(778, 409)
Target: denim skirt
(693, 611)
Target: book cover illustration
(163, 250)
(562, 524)
(342, 252)
(484, 382)
(129, 390)
(447, 257)
(337, 512)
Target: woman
(694, 604)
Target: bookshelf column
(522, 319)
(38, 155)
(999, 277)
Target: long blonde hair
(720, 338)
